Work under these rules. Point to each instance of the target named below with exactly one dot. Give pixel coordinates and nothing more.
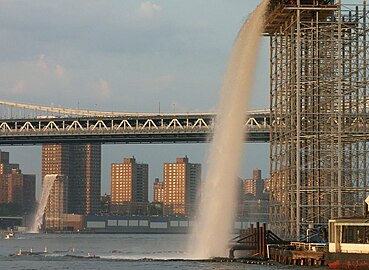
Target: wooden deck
(296, 257)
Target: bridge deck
(155, 128)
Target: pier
(297, 254)
(258, 243)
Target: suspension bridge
(31, 124)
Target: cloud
(42, 62)
(147, 9)
(18, 88)
(104, 89)
(165, 79)
(40, 76)
(159, 83)
(59, 71)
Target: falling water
(215, 216)
(46, 188)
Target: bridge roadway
(127, 128)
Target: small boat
(88, 256)
(91, 256)
(29, 253)
(9, 235)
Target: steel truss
(319, 118)
(128, 128)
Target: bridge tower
(318, 103)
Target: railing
(125, 128)
(310, 246)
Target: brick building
(129, 187)
(16, 187)
(81, 165)
(181, 181)
(158, 191)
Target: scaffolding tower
(319, 116)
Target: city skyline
(109, 66)
(179, 187)
(151, 179)
(298, 189)
(30, 159)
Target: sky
(126, 56)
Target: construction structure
(319, 115)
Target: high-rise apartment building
(57, 204)
(84, 179)
(4, 157)
(3, 188)
(158, 191)
(80, 164)
(55, 159)
(254, 202)
(267, 184)
(254, 186)
(129, 187)
(249, 186)
(5, 166)
(29, 191)
(181, 181)
(16, 187)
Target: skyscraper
(57, 204)
(129, 187)
(254, 186)
(4, 157)
(5, 166)
(181, 181)
(256, 175)
(16, 187)
(80, 164)
(84, 182)
(29, 191)
(3, 188)
(158, 191)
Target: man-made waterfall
(215, 216)
(46, 188)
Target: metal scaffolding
(319, 119)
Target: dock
(295, 255)
(261, 243)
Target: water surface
(116, 251)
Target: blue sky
(125, 56)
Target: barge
(348, 244)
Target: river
(115, 251)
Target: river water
(116, 251)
